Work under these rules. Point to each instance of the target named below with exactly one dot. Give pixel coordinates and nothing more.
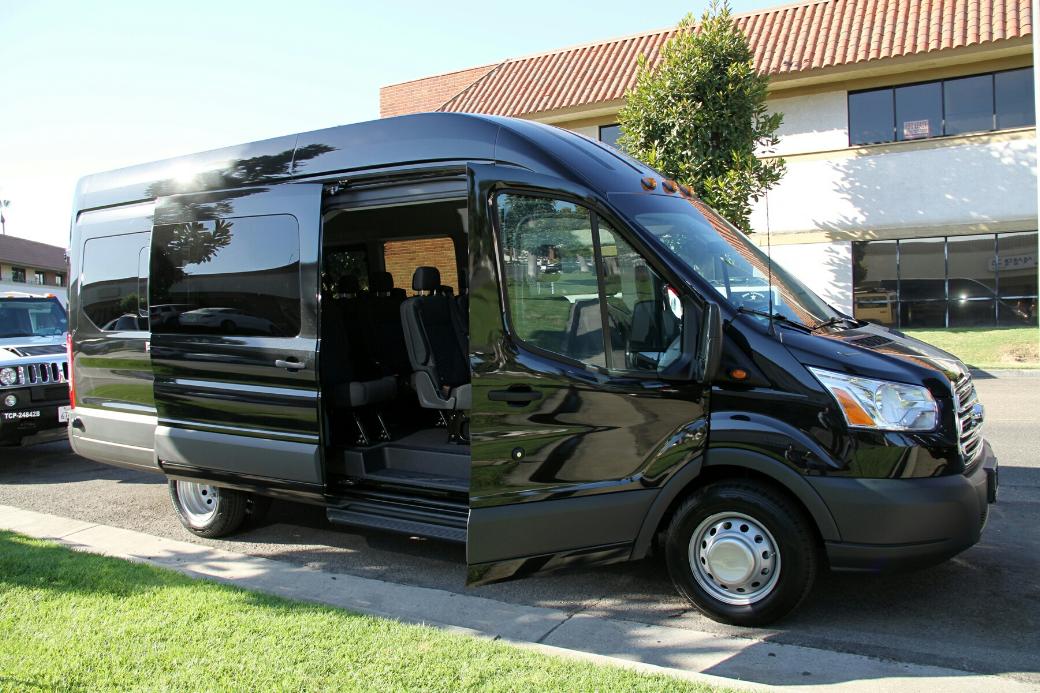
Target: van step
(423, 521)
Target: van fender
(786, 477)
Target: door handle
(521, 394)
(291, 365)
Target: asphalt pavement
(978, 612)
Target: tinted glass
(1017, 272)
(553, 294)
(343, 262)
(644, 332)
(1014, 98)
(724, 257)
(110, 286)
(238, 276)
(919, 111)
(971, 267)
(875, 281)
(608, 134)
(970, 313)
(871, 117)
(968, 104)
(922, 314)
(18, 274)
(922, 269)
(31, 317)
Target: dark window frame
(594, 216)
(15, 272)
(942, 101)
(599, 133)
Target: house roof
(31, 254)
(785, 40)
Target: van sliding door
(233, 304)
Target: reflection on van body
(497, 332)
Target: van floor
(423, 460)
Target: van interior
(393, 355)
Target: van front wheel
(208, 511)
(741, 553)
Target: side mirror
(709, 351)
(701, 344)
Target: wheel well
(711, 474)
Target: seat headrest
(445, 290)
(426, 279)
(381, 282)
(348, 284)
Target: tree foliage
(699, 116)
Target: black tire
(226, 516)
(796, 550)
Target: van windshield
(721, 254)
(28, 317)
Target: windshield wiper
(834, 321)
(779, 317)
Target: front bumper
(16, 424)
(892, 524)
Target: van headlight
(8, 376)
(880, 404)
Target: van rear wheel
(741, 553)
(208, 511)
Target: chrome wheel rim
(198, 501)
(734, 558)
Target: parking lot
(978, 612)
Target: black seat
(436, 346)
(381, 312)
(340, 374)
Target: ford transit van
(492, 331)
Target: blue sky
(86, 87)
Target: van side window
(402, 257)
(111, 283)
(234, 276)
(554, 301)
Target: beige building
(910, 196)
(32, 266)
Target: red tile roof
(427, 94)
(785, 40)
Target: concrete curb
(692, 655)
(1001, 373)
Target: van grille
(41, 373)
(969, 426)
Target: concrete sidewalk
(731, 662)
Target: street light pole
(4, 204)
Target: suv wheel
(741, 553)
(208, 511)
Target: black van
(593, 366)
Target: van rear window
(113, 283)
(235, 276)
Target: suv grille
(969, 426)
(41, 373)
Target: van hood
(874, 351)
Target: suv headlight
(8, 376)
(880, 404)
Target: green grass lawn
(1012, 347)
(75, 621)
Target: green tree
(699, 115)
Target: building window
(18, 275)
(983, 280)
(980, 103)
(39, 278)
(609, 134)
(59, 279)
